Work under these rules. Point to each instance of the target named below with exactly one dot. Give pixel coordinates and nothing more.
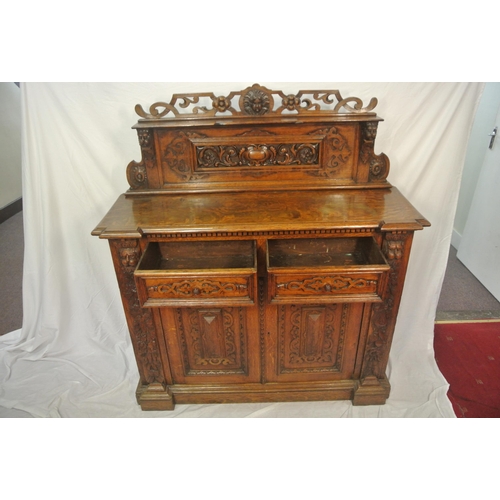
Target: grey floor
(11, 273)
(462, 297)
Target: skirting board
(11, 209)
(456, 238)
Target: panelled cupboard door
(218, 345)
(307, 342)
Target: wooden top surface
(133, 216)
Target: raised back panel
(258, 139)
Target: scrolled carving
(258, 101)
(313, 349)
(198, 288)
(378, 165)
(137, 173)
(300, 352)
(176, 155)
(257, 155)
(327, 284)
(337, 151)
(207, 351)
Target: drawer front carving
(165, 291)
(349, 286)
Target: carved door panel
(212, 344)
(314, 342)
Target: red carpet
(468, 355)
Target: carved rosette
(378, 165)
(137, 173)
(384, 313)
(141, 323)
(256, 101)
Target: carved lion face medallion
(129, 257)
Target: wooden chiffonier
(260, 251)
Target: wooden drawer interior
(198, 255)
(197, 273)
(350, 269)
(328, 252)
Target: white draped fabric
(73, 355)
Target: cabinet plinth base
(372, 391)
(154, 397)
(157, 397)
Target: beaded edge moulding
(258, 101)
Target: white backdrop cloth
(73, 355)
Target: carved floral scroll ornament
(256, 155)
(258, 101)
(198, 288)
(327, 284)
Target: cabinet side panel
(126, 255)
(396, 247)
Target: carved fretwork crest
(257, 101)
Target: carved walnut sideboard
(260, 251)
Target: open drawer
(197, 273)
(326, 270)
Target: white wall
(478, 144)
(10, 143)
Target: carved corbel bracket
(377, 165)
(137, 173)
